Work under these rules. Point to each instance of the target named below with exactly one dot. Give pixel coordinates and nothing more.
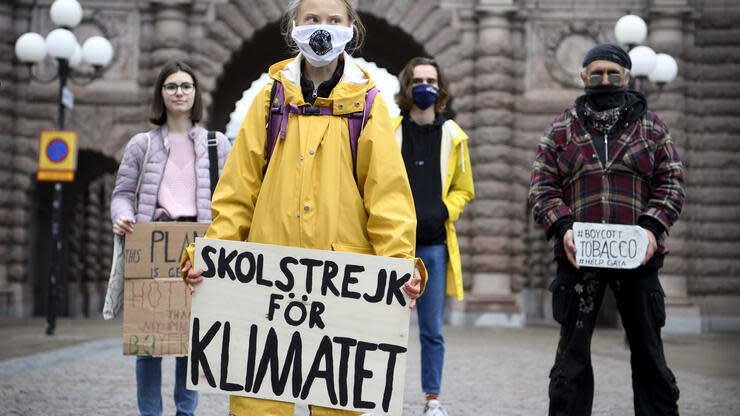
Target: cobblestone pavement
(488, 371)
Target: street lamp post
(61, 44)
(660, 68)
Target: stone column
(666, 35)
(7, 43)
(213, 40)
(7, 120)
(170, 24)
(494, 244)
(165, 36)
(28, 108)
(714, 193)
(461, 75)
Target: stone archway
(249, 40)
(239, 50)
(242, 48)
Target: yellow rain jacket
(308, 196)
(457, 190)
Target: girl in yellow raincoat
(309, 194)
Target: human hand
(123, 225)
(652, 246)
(413, 287)
(192, 276)
(570, 247)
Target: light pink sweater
(123, 198)
(176, 197)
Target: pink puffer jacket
(122, 200)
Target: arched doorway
(87, 243)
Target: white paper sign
(610, 246)
(298, 325)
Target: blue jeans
(431, 310)
(149, 386)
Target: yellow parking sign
(57, 156)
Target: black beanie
(608, 52)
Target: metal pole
(56, 216)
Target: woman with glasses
(169, 166)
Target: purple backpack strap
(357, 125)
(275, 119)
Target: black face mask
(603, 97)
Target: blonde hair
(286, 26)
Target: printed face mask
(321, 44)
(424, 95)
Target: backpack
(213, 159)
(277, 120)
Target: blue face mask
(424, 95)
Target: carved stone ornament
(565, 47)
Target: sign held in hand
(297, 325)
(610, 246)
(156, 302)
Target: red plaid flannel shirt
(643, 176)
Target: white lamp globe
(60, 43)
(30, 47)
(76, 60)
(665, 70)
(67, 13)
(630, 30)
(97, 51)
(643, 60)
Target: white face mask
(321, 44)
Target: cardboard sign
(610, 246)
(156, 302)
(297, 325)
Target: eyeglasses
(171, 88)
(613, 78)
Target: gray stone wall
(513, 67)
(710, 251)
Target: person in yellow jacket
(307, 195)
(435, 152)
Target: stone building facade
(513, 66)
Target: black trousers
(576, 299)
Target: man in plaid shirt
(608, 160)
